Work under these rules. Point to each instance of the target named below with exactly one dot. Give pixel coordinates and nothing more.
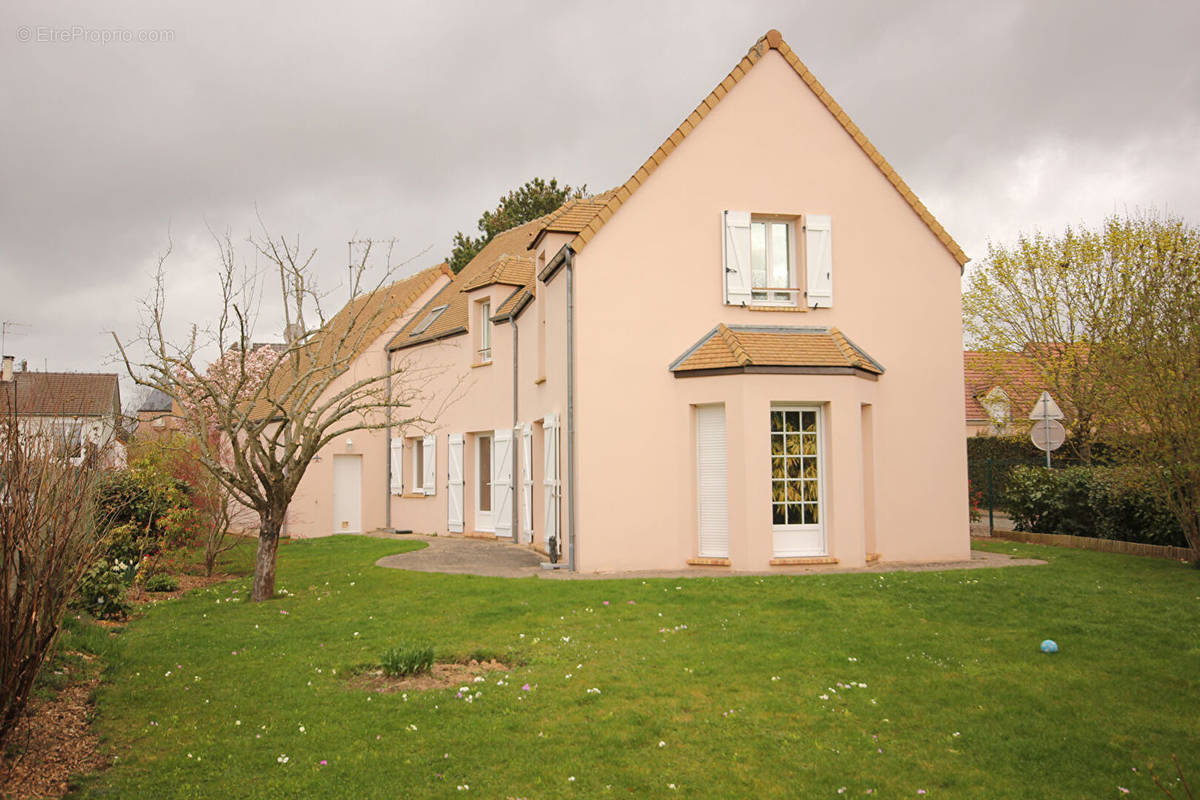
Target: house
(748, 354)
(337, 493)
(1000, 392)
(75, 411)
(157, 416)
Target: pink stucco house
(749, 354)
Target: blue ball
(1049, 646)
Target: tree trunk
(264, 562)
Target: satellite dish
(1048, 434)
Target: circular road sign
(1048, 434)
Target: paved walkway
(463, 556)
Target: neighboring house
(1001, 389)
(157, 416)
(344, 490)
(74, 411)
(748, 354)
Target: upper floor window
(424, 324)
(778, 260)
(772, 266)
(483, 353)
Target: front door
(347, 494)
(797, 481)
(484, 516)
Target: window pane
(777, 468)
(777, 445)
(776, 422)
(793, 421)
(810, 491)
(418, 464)
(795, 514)
(811, 515)
(810, 468)
(810, 444)
(778, 492)
(758, 254)
(793, 468)
(485, 473)
(793, 444)
(793, 492)
(779, 514)
(780, 260)
(810, 422)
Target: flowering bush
(101, 590)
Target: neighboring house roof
(501, 260)
(754, 348)
(61, 394)
(1015, 373)
(350, 332)
(156, 402)
(772, 40)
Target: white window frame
(814, 536)
(485, 520)
(484, 354)
(417, 445)
(775, 295)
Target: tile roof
(508, 269)
(61, 394)
(753, 347)
(574, 215)
(503, 255)
(772, 40)
(350, 332)
(1015, 373)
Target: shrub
(101, 591)
(1101, 502)
(161, 583)
(407, 659)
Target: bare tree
(260, 413)
(49, 538)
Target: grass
(718, 687)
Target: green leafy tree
(1054, 299)
(534, 199)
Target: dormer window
(430, 318)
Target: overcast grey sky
(406, 120)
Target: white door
(526, 483)
(484, 517)
(711, 482)
(347, 494)
(454, 485)
(502, 483)
(551, 489)
(797, 481)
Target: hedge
(1101, 502)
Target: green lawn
(887, 685)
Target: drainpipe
(570, 264)
(387, 444)
(512, 320)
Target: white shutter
(711, 482)
(818, 256)
(397, 466)
(454, 486)
(502, 481)
(526, 483)
(430, 446)
(736, 251)
(550, 484)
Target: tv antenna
(5, 330)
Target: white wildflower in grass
(479, 679)
(662, 743)
(824, 697)
(571, 779)
(774, 678)
(412, 727)
(283, 759)
(670, 786)
(302, 729)
(593, 690)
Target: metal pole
(1046, 429)
(991, 505)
